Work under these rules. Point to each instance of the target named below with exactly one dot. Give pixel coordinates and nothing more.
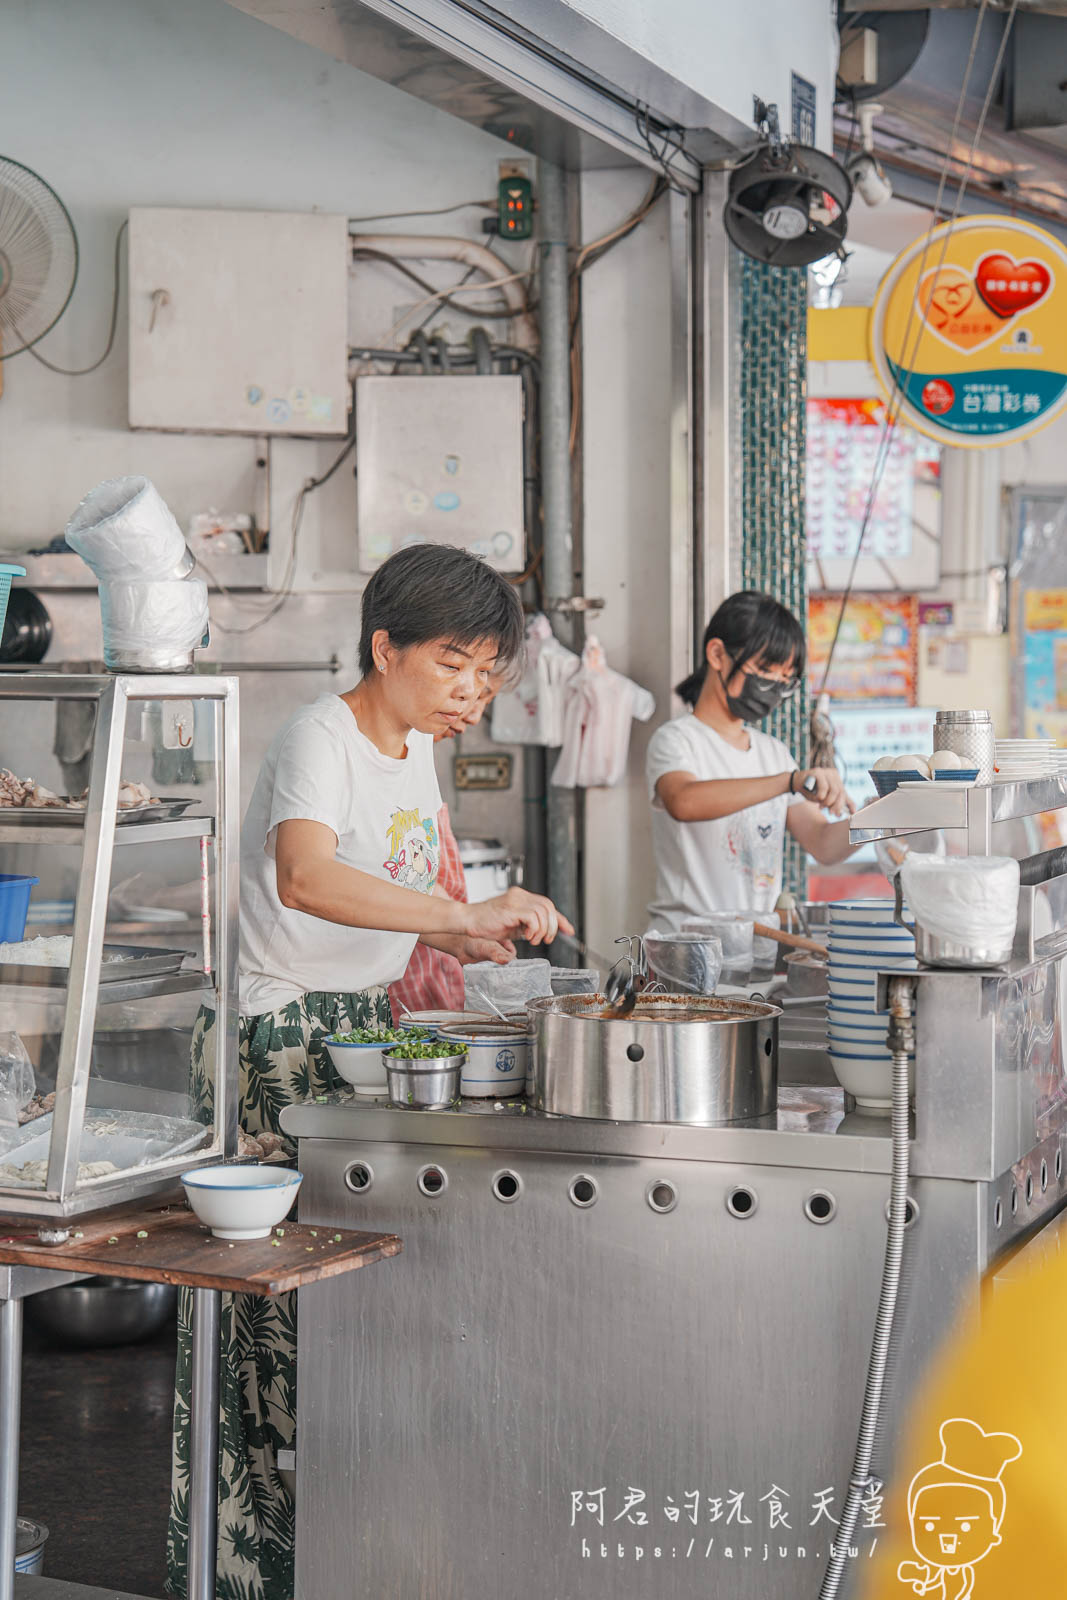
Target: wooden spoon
(795, 941)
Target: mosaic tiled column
(773, 387)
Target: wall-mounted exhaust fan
(787, 204)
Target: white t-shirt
(383, 811)
(732, 863)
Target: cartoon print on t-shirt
(414, 853)
(754, 840)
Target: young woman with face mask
(723, 792)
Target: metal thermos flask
(969, 734)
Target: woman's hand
(825, 788)
(514, 915)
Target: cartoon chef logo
(413, 856)
(955, 1507)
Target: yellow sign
(969, 331)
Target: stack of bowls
(864, 940)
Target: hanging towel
(532, 713)
(599, 708)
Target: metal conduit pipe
(901, 1044)
(556, 491)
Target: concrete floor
(95, 1461)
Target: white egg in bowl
(241, 1202)
(945, 761)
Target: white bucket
(30, 1540)
(497, 1058)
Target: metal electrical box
(440, 462)
(238, 321)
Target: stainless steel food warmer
(113, 1136)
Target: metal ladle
(627, 977)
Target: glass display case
(118, 999)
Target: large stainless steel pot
(676, 1058)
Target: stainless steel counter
(614, 1356)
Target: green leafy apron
(283, 1061)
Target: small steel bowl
(424, 1083)
(103, 1311)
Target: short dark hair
(752, 627)
(437, 591)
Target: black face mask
(758, 697)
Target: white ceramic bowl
(861, 911)
(854, 962)
(852, 949)
(497, 1058)
(869, 1079)
(241, 1202)
(859, 996)
(360, 1065)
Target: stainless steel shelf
(115, 993)
(66, 570)
(125, 833)
(919, 807)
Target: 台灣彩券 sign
(969, 331)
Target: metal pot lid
(28, 1535)
(946, 719)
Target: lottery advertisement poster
(969, 330)
(877, 654)
(1045, 664)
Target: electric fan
(787, 205)
(38, 257)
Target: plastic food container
(497, 1059)
(14, 905)
(424, 1083)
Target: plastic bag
(684, 963)
(125, 531)
(971, 900)
(509, 988)
(575, 980)
(162, 618)
(17, 1082)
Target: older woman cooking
(340, 858)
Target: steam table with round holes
(158, 1244)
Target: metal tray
(67, 815)
(140, 963)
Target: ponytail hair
(752, 627)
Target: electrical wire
(444, 296)
(285, 593)
(672, 136)
(441, 211)
(81, 372)
(365, 253)
(587, 257)
(900, 383)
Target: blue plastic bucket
(7, 572)
(14, 905)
